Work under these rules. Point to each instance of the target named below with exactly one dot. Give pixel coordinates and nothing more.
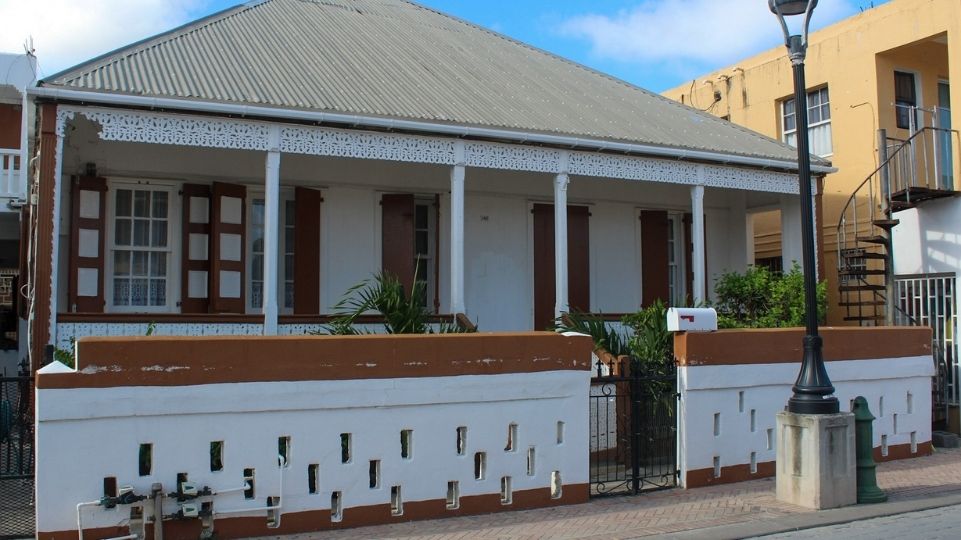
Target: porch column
(271, 231)
(790, 231)
(697, 238)
(457, 231)
(46, 213)
(560, 243)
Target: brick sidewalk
(662, 512)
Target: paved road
(936, 524)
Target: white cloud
(67, 32)
(699, 31)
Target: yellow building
(887, 68)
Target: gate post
(635, 389)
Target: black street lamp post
(813, 388)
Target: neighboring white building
(240, 173)
(17, 73)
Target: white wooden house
(238, 174)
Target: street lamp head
(796, 43)
(790, 7)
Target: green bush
(759, 298)
(593, 325)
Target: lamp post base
(816, 465)
(804, 404)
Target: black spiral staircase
(911, 172)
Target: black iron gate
(16, 458)
(633, 427)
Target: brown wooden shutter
(86, 280)
(397, 237)
(655, 284)
(578, 259)
(307, 251)
(228, 221)
(195, 250)
(544, 276)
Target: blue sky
(656, 44)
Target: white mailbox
(691, 319)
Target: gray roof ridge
(608, 76)
(133, 48)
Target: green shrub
(593, 325)
(759, 298)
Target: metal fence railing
(16, 458)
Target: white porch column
(697, 238)
(791, 248)
(271, 231)
(457, 230)
(560, 240)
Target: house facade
(237, 175)
(887, 68)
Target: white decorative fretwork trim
(165, 128)
(319, 141)
(513, 157)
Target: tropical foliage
(759, 298)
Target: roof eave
(419, 126)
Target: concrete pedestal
(816, 466)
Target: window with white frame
(256, 260)
(425, 248)
(675, 259)
(140, 248)
(819, 122)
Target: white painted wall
(928, 239)
(707, 391)
(84, 435)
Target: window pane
(139, 263)
(123, 202)
(141, 200)
(789, 107)
(141, 232)
(420, 268)
(258, 246)
(158, 292)
(421, 217)
(159, 233)
(257, 211)
(160, 204)
(121, 263)
(789, 124)
(288, 239)
(122, 232)
(289, 267)
(257, 267)
(814, 116)
(158, 264)
(289, 213)
(289, 294)
(121, 292)
(138, 292)
(257, 294)
(420, 242)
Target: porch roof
(397, 59)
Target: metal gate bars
(633, 442)
(16, 458)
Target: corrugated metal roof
(394, 58)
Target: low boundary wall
(733, 383)
(373, 429)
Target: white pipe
(80, 519)
(245, 487)
(280, 497)
(416, 126)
